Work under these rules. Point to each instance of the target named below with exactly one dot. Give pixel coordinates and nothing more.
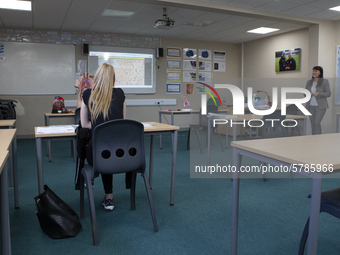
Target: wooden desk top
(253, 116)
(311, 149)
(150, 127)
(48, 114)
(156, 127)
(3, 157)
(179, 112)
(6, 138)
(338, 113)
(7, 123)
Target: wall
(317, 48)
(31, 109)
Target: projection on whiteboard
(134, 71)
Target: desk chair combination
(330, 203)
(203, 124)
(118, 147)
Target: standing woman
(320, 90)
(100, 104)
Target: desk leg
(160, 136)
(4, 211)
(151, 161)
(235, 204)
(337, 123)
(173, 169)
(39, 166)
(15, 173)
(304, 126)
(48, 142)
(234, 133)
(314, 216)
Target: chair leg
(219, 137)
(304, 238)
(133, 191)
(81, 184)
(199, 140)
(188, 141)
(153, 215)
(88, 182)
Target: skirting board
(133, 102)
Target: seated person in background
(100, 104)
(82, 83)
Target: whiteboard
(37, 69)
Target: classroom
(270, 213)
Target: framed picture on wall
(287, 60)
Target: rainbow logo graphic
(209, 93)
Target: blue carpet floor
(271, 220)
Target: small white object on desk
(56, 129)
(221, 115)
(147, 125)
(186, 110)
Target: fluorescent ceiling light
(336, 8)
(263, 30)
(117, 13)
(16, 5)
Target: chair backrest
(77, 116)
(118, 147)
(273, 129)
(292, 109)
(211, 101)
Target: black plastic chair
(7, 108)
(77, 116)
(203, 124)
(293, 110)
(330, 203)
(118, 147)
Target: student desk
(240, 118)
(337, 122)
(13, 163)
(6, 138)
(172, 114)
(9, 142)
(151, 128)
(286, 151)
(48, 116)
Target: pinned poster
(174, 76)
(190, 88)
(206, 77)
(204, 54)
(173, 88)
(2, 52)
(189, 76)
(219, 66)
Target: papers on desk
(57, 129)
(147, 125)
(221, 115)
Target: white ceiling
(231, 19)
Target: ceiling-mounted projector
(165, 22)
